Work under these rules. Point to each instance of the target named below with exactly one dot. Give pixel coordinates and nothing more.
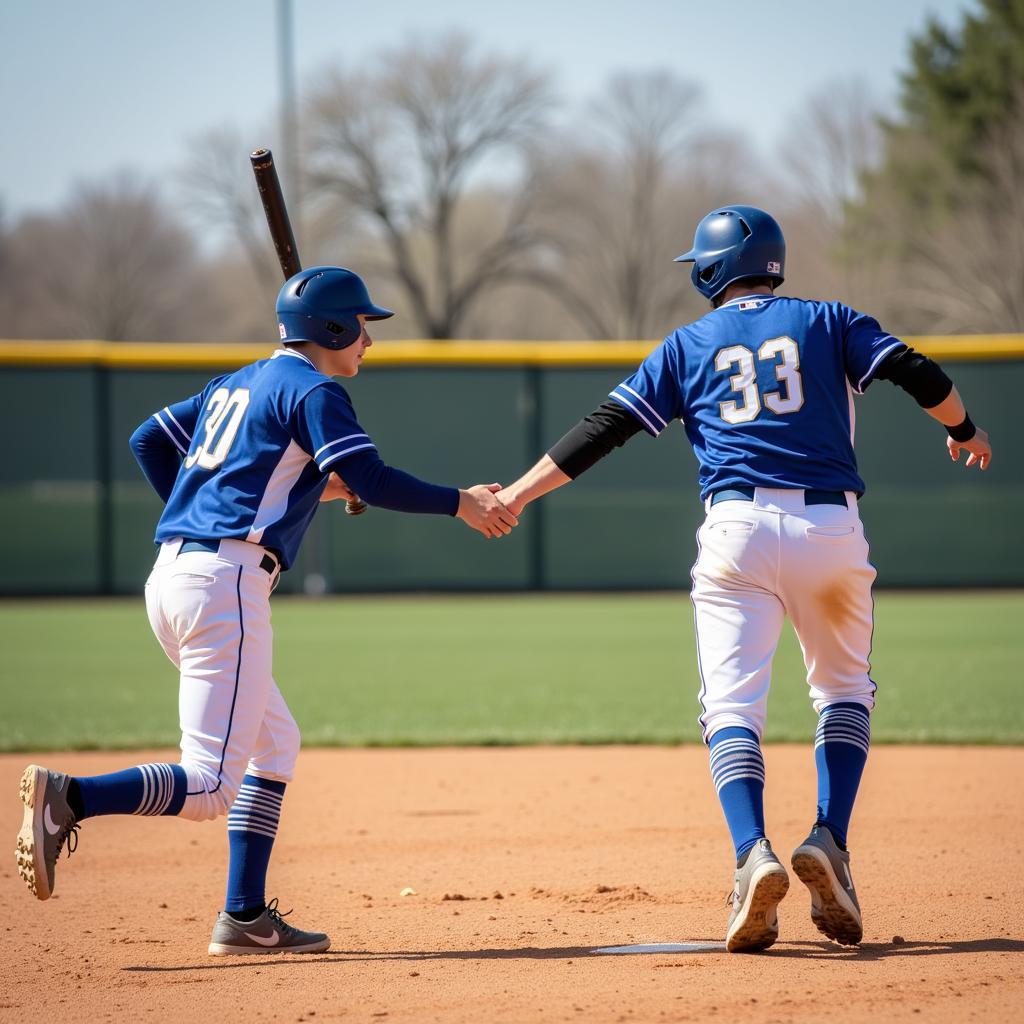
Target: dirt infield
(525, 863)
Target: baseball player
(241, 468)
(764, 388)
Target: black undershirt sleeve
(922, 379)
(609, 426)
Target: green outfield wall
(77, 517)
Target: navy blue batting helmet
(322, 304)
(733, 242)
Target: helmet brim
(687, 257)
(377, 313)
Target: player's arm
(926, 382)
(340, 446)
(648, 400)
(161, 442)
(366, 474)
(609, 426)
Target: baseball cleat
(760, 885)
(267, 934)
(47, 824)
(825, 870)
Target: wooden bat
(284, 241)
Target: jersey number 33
(787, 399)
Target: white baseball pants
(760, 561)
(211, 614)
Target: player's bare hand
(336, 488)
(511, 500)
(480, 508)
(979, 449)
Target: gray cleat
(760, 885)
(267, 934)
(47, 824)
(825, 870)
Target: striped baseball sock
(737, 770)
(145, 789)
(840, 753)
(252, 828)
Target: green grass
(495, 670)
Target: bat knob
(355, 507)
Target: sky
(91, 88)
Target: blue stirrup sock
(840, 752)
(145, 789)
(737, 770)
(252, 828)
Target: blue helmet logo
(733, 242)
(322, 305)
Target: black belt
(267, 563)
(811, 497)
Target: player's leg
(841, 745)
(56, 803)
(738, 620)
(213, 620)
(827, 589)
(255, 815)
(248, 924)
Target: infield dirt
(525, 862)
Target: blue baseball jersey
(257, 445)
(764, 387)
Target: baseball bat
(280, 225)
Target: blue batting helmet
(322, 304)
(733, 242)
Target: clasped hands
(486, 508)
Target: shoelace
(71, 836)
(278, 918)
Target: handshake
(489, 508)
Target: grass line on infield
(488, 669)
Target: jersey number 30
(787, 372)
(223, 417)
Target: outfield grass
(497, 669)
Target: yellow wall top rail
(200, 355)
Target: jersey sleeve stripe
(647, 405)
(874, 363)
(184, 433)
(331, 444)
(651, 428)
(348, 451)
(167, 431)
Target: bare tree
(7, 282)
(831, 141)
(621, 208)
(220, 193)
(404, 147)
(834, 139)
(110, 265)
